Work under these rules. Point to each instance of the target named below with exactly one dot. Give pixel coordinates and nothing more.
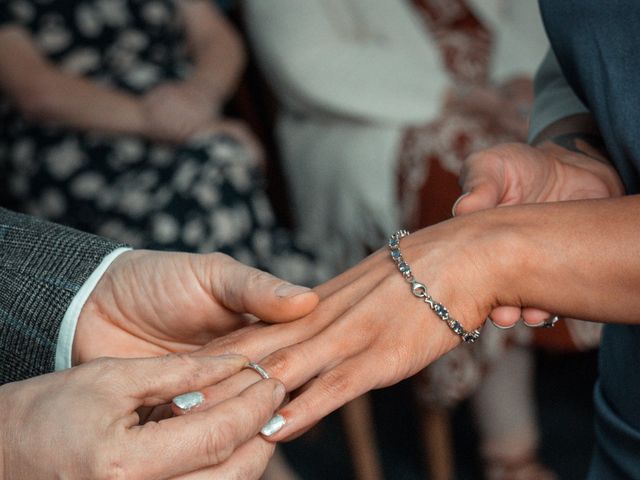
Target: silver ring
(258, 369)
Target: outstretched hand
(153, 303)
(369, 331)
(513, 174)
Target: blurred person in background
(381, 103)
(112, 115)
(112, 123)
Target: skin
(149, 304)
(569, 257)
(153, 303)
(172, 112)
(91, 410)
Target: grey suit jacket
(42, 267)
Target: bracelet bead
(420, 290)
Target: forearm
(45, 94)
(215, 47)
(80, 104)
(579, 259)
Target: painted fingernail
(287, 290)
(187, 401)
(455, 205)
(274, 425)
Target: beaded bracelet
(420, 291)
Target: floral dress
(206, 195)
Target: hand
(237, 130)
(82, 422)
(153, 303)
(176, 111)
(515, 173)
(369, 331)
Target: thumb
(244, 289)
(484, 196)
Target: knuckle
(259, 459)
(336, 383)
(106, 370)
(279, 363)
(189, 366)
(218, 444)
(109, 466)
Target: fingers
(325, 394)
(152, 381)
(505, 317)
(534, 317)
(248, 462)
(244, 289)
(199, 440)
(482, 193)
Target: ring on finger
(258, 369)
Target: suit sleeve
(42, 267)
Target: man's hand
(513, 174)
(82, 422)
(153, 303)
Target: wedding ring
(258, 369)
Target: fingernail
(278, 394)
(287, 290)
(455, 205)
(274, 425)
(187, 401)
(533, 325)
(501, 327)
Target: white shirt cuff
(70, 319)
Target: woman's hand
(153, 303)
(369, 330)
(175, 111)
(82, 422)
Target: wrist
(202, 86)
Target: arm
(580, 259)
(215, 47)
(329, 58)
(45, 94)
(42, 268)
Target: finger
(154, 381)
(256, 342)
(325, 394)
(191, 442)
(505, 317)
(245, 289)
(534, 317)
(248, 462)
(293, 365)
(482, 180)
(215, 394)
(480, 197)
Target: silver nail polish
(273, 425)
(187, 401)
